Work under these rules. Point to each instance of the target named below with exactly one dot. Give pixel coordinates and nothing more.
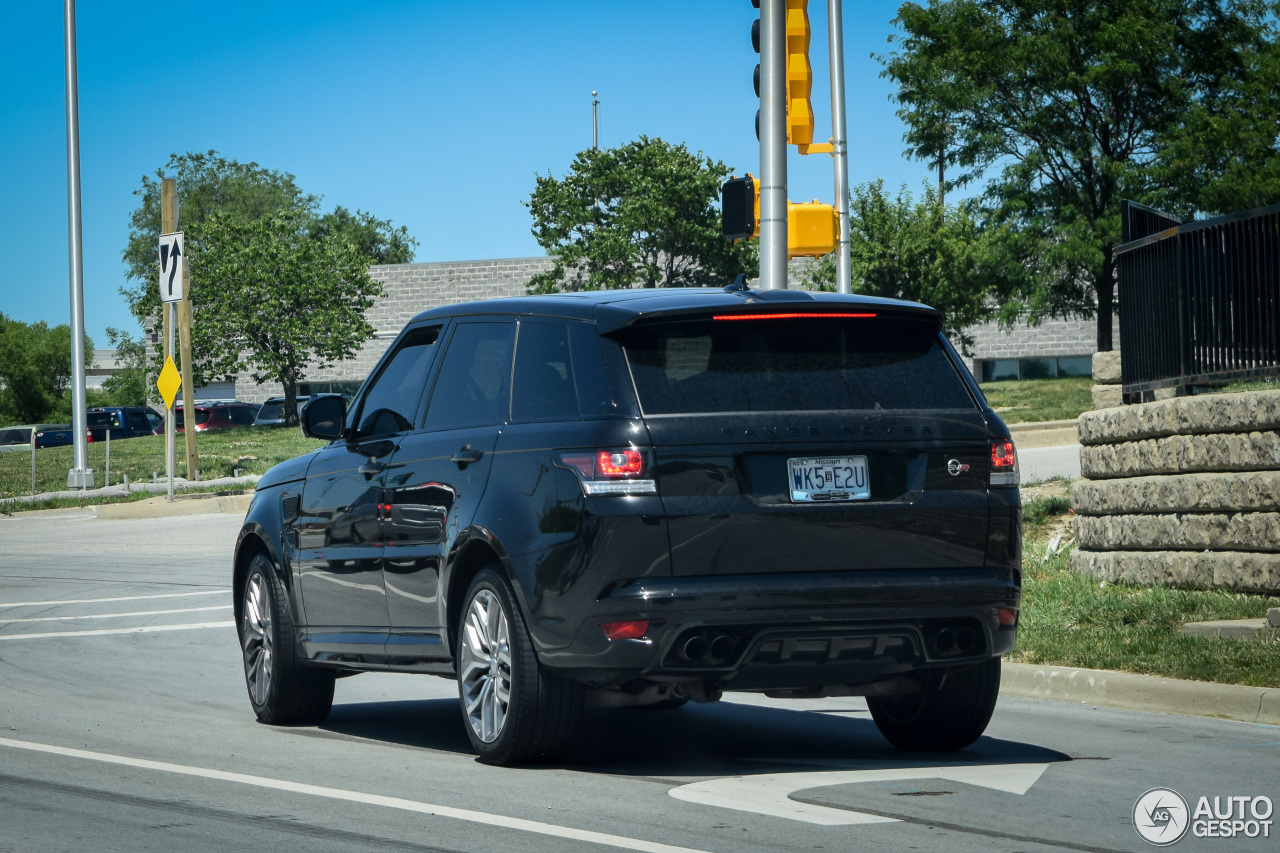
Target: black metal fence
(1200, 301)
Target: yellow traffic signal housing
(799, 75)
(812, 229)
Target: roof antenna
(739, 285)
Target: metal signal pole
(81, 475)
(840, 141)
(773, 144)
(595, 126)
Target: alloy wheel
(256, 633)
(485, 665)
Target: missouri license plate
(828, 479)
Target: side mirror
(324, 417)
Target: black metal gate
(1200, 300)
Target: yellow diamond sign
(169, 383)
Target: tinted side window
(543, 388)
(392, 401)
(138, 422)
(472, 389)
(240, 415)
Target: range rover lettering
(650, 497)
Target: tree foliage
(904, 248)
(1076, 105)
(35, 371)
(373, 238)
(273, 299)
(221, 200)
(644, 214)
(128, 385)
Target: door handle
(372, 468)
(466, 456)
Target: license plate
(831, 478)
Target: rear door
(801, 443)
(437, 477)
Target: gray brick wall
(410, 289)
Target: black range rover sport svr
(649, 497)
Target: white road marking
(113, 615)
(102, 600)
(145, 629)
(551, 829)
(770, 793)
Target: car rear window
(809, 364)
(240, 415)
(271, 411)
(104, 419)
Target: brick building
(1055, 348)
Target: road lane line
(113, 615)
(770, 793)
(102, 600)
(532, 826)
(145, 629)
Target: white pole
(840, 140)
(773, 145)
(81, 475)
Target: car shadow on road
(695, 740)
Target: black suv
(649, 496)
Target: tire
(951, 712)
(282, 690)
(514, 711)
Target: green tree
(128, 385)
(919, 250)
(208, 185)
(374, 238)
(273, 299)
(644, 214)
(1075, 105)
(35, 370)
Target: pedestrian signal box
(740, 208)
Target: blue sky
(436, 115)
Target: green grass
(1251, 385)
(251, 449)
(1035, 400)
(1077, 620)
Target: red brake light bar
(789, 316)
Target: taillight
(611, 472)
(1008, 618)
(633, 630)
(1004, 463)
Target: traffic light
(755, 45)
(740, 208)
(799, 75)
(812, 229)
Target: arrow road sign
(171, 281)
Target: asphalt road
(124, 726)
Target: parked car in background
(216, 415)
(58, 435)
(17, 438)
(272, 411)
(122, 422)
(651, 496)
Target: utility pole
(840, 142)
(773, 145)
(595, 125)
(81, 475)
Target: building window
(1000, 369)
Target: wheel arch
(479, 549)
(253, 541)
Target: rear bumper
(793, 631)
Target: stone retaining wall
(1184, 492)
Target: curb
(1142, 692)
(162, 508)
